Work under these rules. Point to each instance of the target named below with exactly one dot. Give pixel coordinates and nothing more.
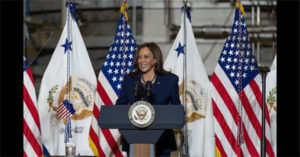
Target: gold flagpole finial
(124, 8)
(238, 4)
(185, 2)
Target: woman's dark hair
(158, 68)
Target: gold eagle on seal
(82, 97)
(196, 99)
(141, 114)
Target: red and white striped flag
(118, 63)
(236, 91)
(31, 122)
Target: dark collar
(157, 79)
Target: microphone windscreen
(148, 84)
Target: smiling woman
(148, 61)
(148, 70)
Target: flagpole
(185, 148)
(69, 145)
(264, 70)
(240, 134)
(63, 14)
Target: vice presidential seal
(141, 114)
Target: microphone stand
(148, 96)
(264, 70)
(143, 94)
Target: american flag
(65, 110)
(236, 96)
(118, 63)
(31, 121)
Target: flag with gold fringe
(118, 63)
(236, 91)
(67, 93)
(198, 105)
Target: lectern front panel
(141, 136)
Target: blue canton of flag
(25, 64)
(120, 58)
(237, 59)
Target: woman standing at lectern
(148, 66)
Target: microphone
(142, 92)
(148, 96)
(136, 90)
(148, 88)
(139, 91)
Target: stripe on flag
(31, 120)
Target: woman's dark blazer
(164, 91)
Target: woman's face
(146, 60)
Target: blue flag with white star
(201, 138)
